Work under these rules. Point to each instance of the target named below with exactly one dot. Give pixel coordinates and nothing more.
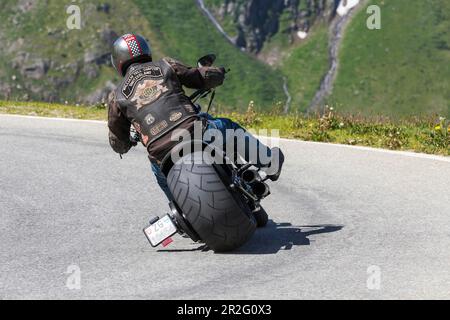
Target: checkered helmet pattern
(126, 48)
(133, 45)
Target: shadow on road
(283, 236)
(203, 248)
(275, 237)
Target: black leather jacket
(152, 99)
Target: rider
(151, 98)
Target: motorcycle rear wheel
(219, 215)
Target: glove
(134, 137)
(213, 76)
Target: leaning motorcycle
(214, 203)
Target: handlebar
(199, 94)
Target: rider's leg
(224, 124)
(232, 130)
(162, 181)
(260, 155)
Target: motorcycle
(214, 203)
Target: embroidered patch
(160, 126)
(137, 127)
(149, 119)
(189, 108)
(143, 136)
(147, 92)
(174, 116)
(137, 75)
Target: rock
(5, 91)
(63, 82)
(16, 46)
(26, 5)
(20, 59)
(35, 89)
(74, 67)
(36, 69)
(100, 95)
(90, 57)
(97, 58)
(258, 20)
(104, 7)
(91, 71)
(49, 96)
(70, 74)
(15, 21)
(108, 36)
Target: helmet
(129, 49)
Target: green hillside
(302, 63)
(37, 36)
(305, 66)
(402, 69)
(185, 33)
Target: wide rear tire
(219, 216)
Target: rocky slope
(41, 59)
(253, 22)
(281, 51)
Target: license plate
(161, 230)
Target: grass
(305, 67)
(54, 110)
(401, 70)
(426, 135)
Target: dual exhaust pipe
(259, 188)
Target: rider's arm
(197, 78)
(119, 127)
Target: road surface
(346, 223)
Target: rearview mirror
(206, 61)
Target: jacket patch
(189, 108)
(137, 75)
(174, 116)
(149, 119)
(144, 138)
(147, 92)
(160, 126)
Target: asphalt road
(346, 223)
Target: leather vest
(153, 100)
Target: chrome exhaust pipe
(250, 176)
(260, 189)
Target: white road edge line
(393, 152)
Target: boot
(261, 217)
(277, 163)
